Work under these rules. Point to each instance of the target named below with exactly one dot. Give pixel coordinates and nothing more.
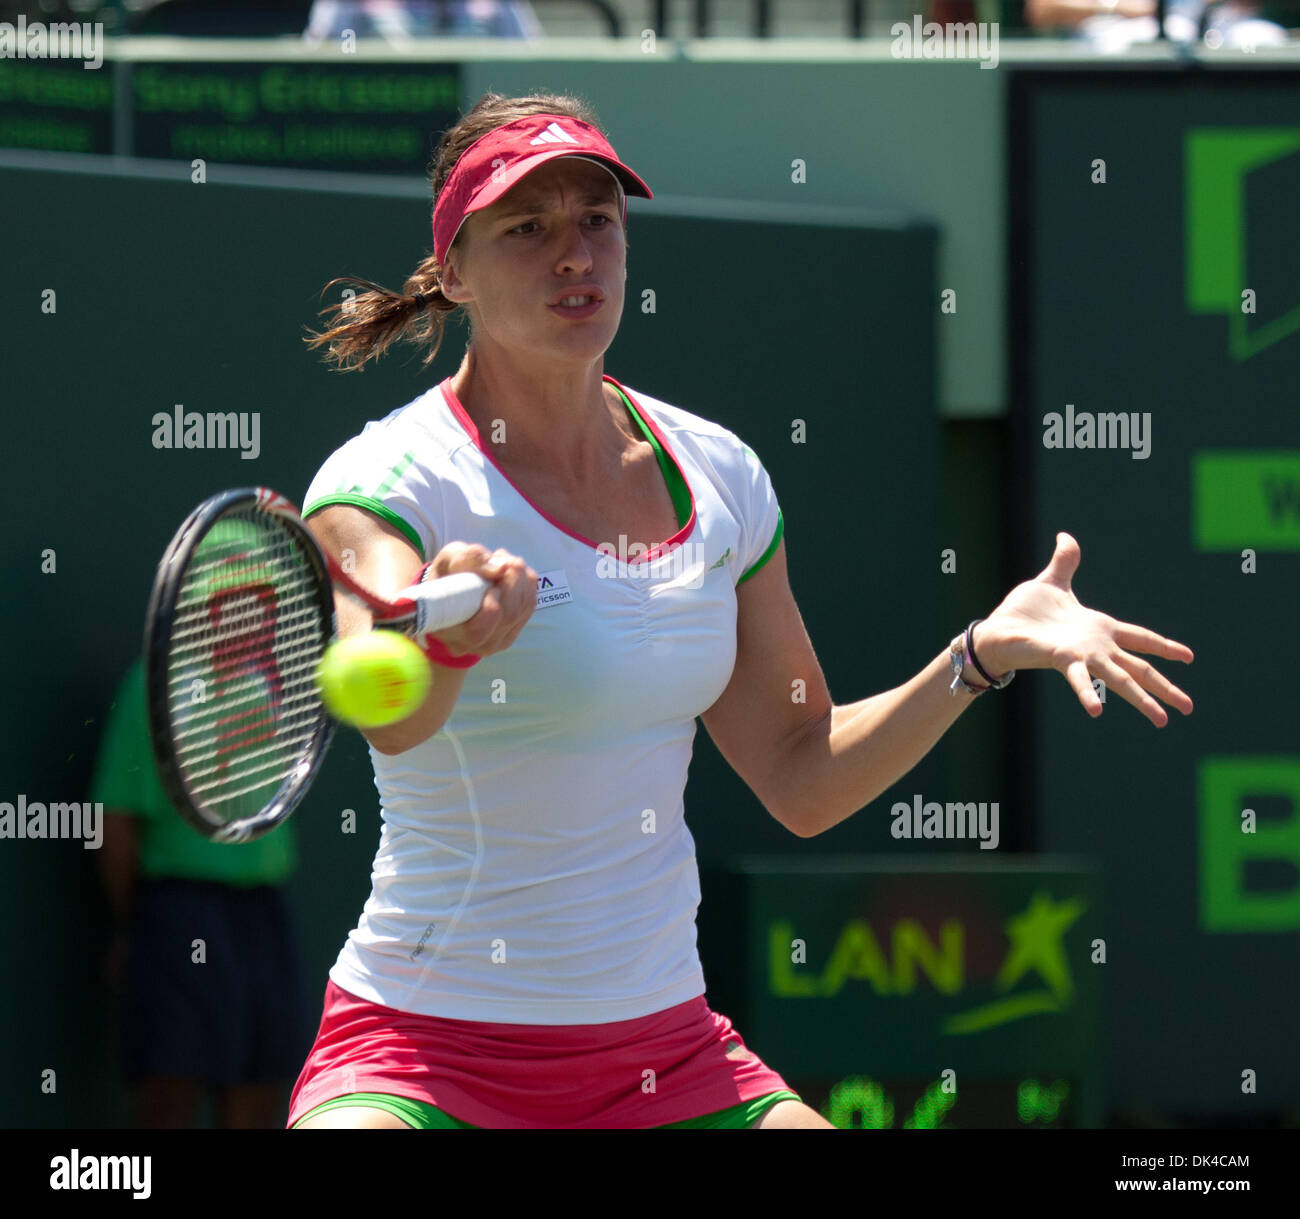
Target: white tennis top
(534, 865)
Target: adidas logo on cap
(555, 134)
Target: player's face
(557, 230)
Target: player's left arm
(777, 694)
(813, 764)
(806, 759)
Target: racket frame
(159, 621)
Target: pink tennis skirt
(669, 1066)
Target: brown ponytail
(363, 326)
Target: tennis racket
(241, 613)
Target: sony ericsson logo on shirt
(552, 588)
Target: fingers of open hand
(1076, 673)
(1152, 680)
(1133, 679)
(1123, 684)
(1139, 639)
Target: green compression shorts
(424, 1116)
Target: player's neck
(562, 419)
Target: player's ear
(449, 281)
(451, 284)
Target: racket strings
(194, 737)
(247, 636)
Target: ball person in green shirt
(204, 951)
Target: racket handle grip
(446, 601)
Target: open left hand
(1041, 625)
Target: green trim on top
(371, 505)
(677, 488)
(770, 551)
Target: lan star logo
(1037, 937)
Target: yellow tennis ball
(373, 679)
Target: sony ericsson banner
(357, 116)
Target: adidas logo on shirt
(554, 134)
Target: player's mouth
(576, 305)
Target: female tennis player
(527, 954)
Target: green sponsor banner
(1239, 841)
(976, 966)
(375, 118)
(1219, 163)
(1246, 499)
(862, 1102)
(56, 104)
(916, 992)
(919, 992)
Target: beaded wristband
(979, 668)
(970, 661)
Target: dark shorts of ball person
(683, 1068)
(214, 986)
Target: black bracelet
(970, 646)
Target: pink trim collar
(659, 549)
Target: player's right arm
(381, 559)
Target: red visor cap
(499, 160)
